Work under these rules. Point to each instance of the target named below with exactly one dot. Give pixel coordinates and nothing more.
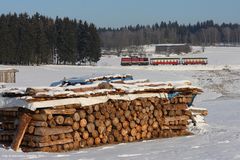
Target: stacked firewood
(82, 116)
(71, 127)
(8, 124)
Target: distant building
(8, 75)
(109, 52)
(172, 48)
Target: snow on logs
(131, 112)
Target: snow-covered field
(216, 56)
(220, 81)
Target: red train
(163, 61)
(134, 61)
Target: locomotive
(128, 61)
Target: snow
(216, 56)
(12, 102)
(7, 69)
(88, 99)
(136, 81)
(171, 44)
(220, 80)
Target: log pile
(125, 115)
(64, 128)
(8, 124)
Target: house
(172, 48)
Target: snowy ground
(216, 56)
(220, 140)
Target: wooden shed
(8, 75)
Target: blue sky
(115, 13)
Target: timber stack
(57, 119)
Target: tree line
(204, 33)
(37, 39)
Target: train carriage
(194, 61)
(165, 61)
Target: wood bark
(39, 117)
(59, 111)
(37, 139)
(39, 123)
(44, 131)
(59, 120)
(23, 124)
(56, 142)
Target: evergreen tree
(41, 47)
(24, 41)
(94, 44)
(68, 41)
(83, 41)
(33, 40)
(204, 33)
